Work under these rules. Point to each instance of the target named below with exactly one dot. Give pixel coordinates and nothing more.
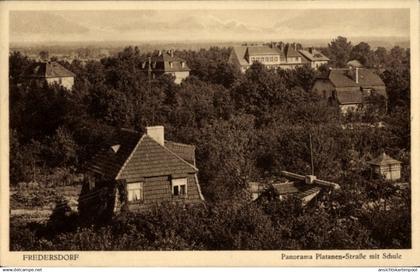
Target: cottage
(52, 72)
(165, 62)
(386, 167)
(147, 170)
(348, 88)
(313, 57)
(272, 57)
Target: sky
(206, 25)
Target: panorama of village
(252, 144)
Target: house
(313, 57)
(146, 170)
(305, 188)
(165, 62)
(348, 88)
(386, 167)
(52, 72)
(272, 57)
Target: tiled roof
(163, 63)
(186, 152)
(349, 96)
(141, 156)
(339, 78)
(346, 78)
(291, 52)
(314, 56)
(49, 70)
(107, 162)
(368, 77)
(150, 159)
(239, 54)
(383, 159)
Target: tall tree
(362, 53)
(339, 51)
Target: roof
(262, 50)
(383, 159)
(163, 61)
(346, 78)
(354, 63)
(186, 152)
(141, 156)
(239, 53)
(108, 163)
(368, 77)
(314, 56)
(286, 188)
(48, 70)
(310, 191)
(349, 96)
(291, 52)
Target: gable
(49, 70)
(150, 159)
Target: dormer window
(115, 148)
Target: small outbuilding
(386, 167)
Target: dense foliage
(245, 127)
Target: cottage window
(171, 64)
(179, 187)
(135, 191)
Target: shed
(386, 167)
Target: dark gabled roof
(314, 56)
(339, 78)
(291, 52)
(368, 77)
(349, 96)
(48, 70)
(162, 62)
(108, 162)
(141, 156)
(238, 53)
(186, 152)
(383, 159)
(150, 159)
(346, 78)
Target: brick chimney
(311, 50)
(156, 133)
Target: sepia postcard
(209, 133)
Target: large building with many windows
(275, 56)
